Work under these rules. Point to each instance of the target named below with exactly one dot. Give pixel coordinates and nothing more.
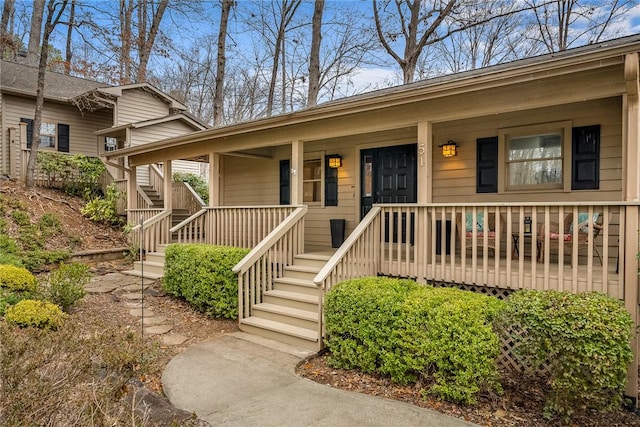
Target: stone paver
(158, 330)
(139, 312)
(96, 288)
(174, 339)
(155, 320)
(134, 288)
(132, 295)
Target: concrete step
(301, 272)
(179, 211)
(155, 257)
(290, 316)
(147, 275)
(301, 286)
(161, 248)
(151, 267)
(291, 299)
(282, 332)
(311, 260)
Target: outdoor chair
(582, 239)
(466, 229)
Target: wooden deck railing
(156, 178)
(436, 242)
(239, 226)
(267, 260)
(153, 231)
(185, 197)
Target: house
(82, 116)
(456, 180)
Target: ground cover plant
(203, 276)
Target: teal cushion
(468, 221)
(584, 217)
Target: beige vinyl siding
(81, 127)
(155, 133)
(136, 105)
(454, 178)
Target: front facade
(542, 193)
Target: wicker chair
(466, 229)
(582, 239)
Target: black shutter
(330, 184)
(63, 138)
(29, 123)
(487, 165)
(585, 158)
(285, 182)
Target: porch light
(335, 161)
(449, 148)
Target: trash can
(337, 232)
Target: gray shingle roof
(22, 79)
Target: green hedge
(40, 314)
(202, 275)
(586, 339)
(17, 279)
(405, 330)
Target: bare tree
(418, 25)
(562, 24)
(55, 9)
(7, 11)
(68, 51)
(7, 43)
(35, 31)
(149, 17)
(218, 100)
(314, 57)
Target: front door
(389, 175)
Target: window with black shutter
(487, 165)
(585, 158)
(330, 184)
(63, 138)
(285, 182)
(29, 123)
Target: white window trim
(315, 155)
(55, 135)
(563, 127)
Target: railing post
(630, 277)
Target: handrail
(152, 220)
(344, 248)
(188, 220)
(195, 195)
(144, 196)
(266, 243)
(511, 204)
(157, 170)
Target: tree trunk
(53, 17)
(126, 11)
(34, 32)
(7, 11)
(218, 100)
(314, 56)
(148, 36)
(68, 50)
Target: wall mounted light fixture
(449, 148)
(335, 161)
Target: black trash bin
(337, 232)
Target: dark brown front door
(389, 175)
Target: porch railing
(240, 226)
(266, 261)
(185, 197)
(156, 178)
(487, 244)
(153, 231)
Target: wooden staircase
(155, 197)
(289, 313)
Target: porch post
(132, 193)
(425, 191)
(214, 179)
(631, 189)
(297, 167)
(168, 185)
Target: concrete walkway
(231, 381)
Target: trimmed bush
(66, 284)
(586, 339)
(405, 330)
(40, 314)
(17, 278)
(202, 275)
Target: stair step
(147, 275)
(291, 284)
(311, 260)
(301, 271)
(155, 257)
(161, 248)
(292, 299)
(281, 331)
(290, 316)
(151, 267)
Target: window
(534, 160)
(312, 181)
(47, 135)
(110, 143)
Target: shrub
(40, 314)
(66, 284)
(37, 259)
(49, 225)
(104, 209)
(17, 279)
(196, 182)
(21, 218)
(79, 173)
(402, 329)
(586, 339)
(202, 275)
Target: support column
(168, 185)
(214, 179)
(631, 189)
(425, 162)
(297, 167)
(132, 193)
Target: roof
(144, 123)
(21, 79)
(173, 103)
(596, 55)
